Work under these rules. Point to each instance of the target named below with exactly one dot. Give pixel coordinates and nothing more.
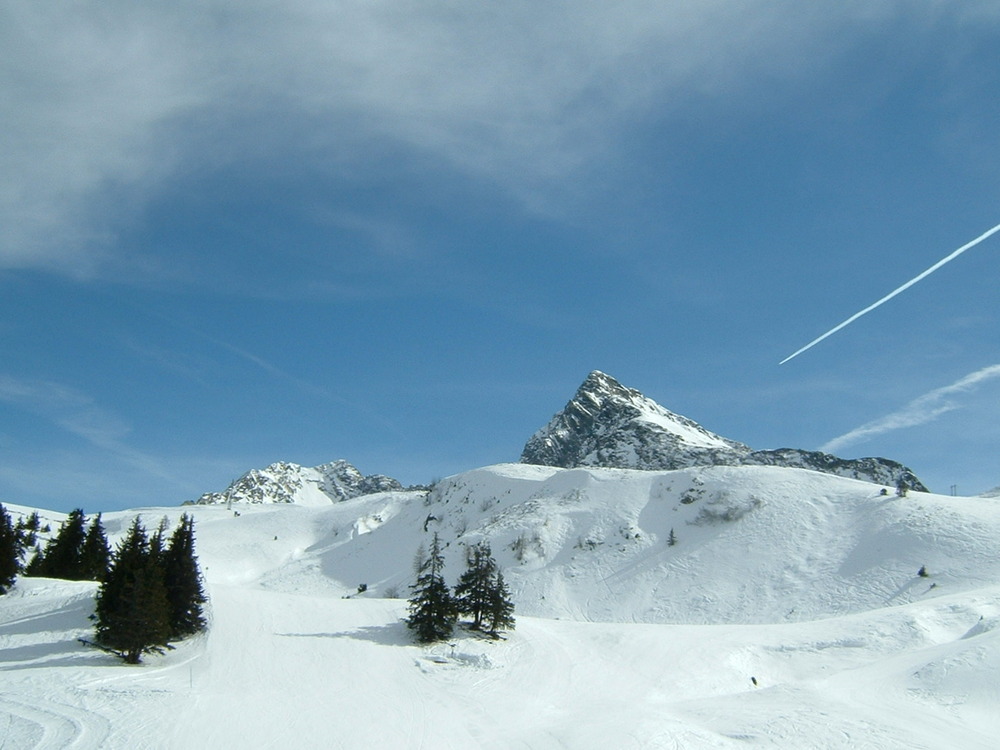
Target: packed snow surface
(788, 613)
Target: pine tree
(132, 609)
(34, 523)
(500, 608)
(95, 555)
(27, 530)
(62, 557)
(34, 566)
(185, 594)
(10, 551)
(472, 594)
(432, 608)
(158, 545)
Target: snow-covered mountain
(284, 482)
(788, 611)
(705, 596)
(607, 424)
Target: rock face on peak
(607, 424)
(284, 482)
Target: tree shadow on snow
(57, 654)
(71, 615)
(396, 634)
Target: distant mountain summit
(284, 482)
(607, 424)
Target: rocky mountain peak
(608, 424)
(284, 482)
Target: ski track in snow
(55, 725)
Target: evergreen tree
(158, 544)
(185, 595)
(62, 557)
(95, 555)
(432, 608)
(34, 565)
(500, 608)
(27, 530)
(33, 523)
(472, 594)
(10, 551)
(132, 611)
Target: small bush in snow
(724, 509)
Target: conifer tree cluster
(11, 545)
(77, 552)
(481, 593)
(152, 593)
(15, 538)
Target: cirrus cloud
(108, 101)
(921, 410)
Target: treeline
(78, 551)
(150, 590)
(15, 538)
(481, 593)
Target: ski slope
(802, 582)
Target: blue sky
(402, 233)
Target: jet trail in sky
(892, 294)
(919, 411)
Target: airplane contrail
(892, 294)
(919, 411)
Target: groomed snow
(803, 582)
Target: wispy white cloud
(322, 393)
(105, 101)
(79, 415)
(921, 410)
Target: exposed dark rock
(284, 482)
(607, 424)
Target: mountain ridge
(286, 482)
(609, 425)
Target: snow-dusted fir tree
(472, 593)
(432, 607)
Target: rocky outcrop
(284, 482)
(607, 424)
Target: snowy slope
(808, 580)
